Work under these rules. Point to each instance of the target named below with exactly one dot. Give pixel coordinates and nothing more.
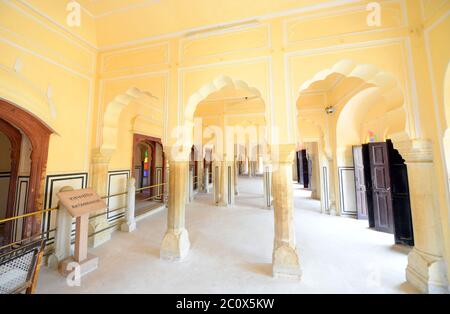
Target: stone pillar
(426, 265)
(245, 166)
(100, 163)
(236, 177)
(191, 184)
(63, 235)
(224, 194)
(267, 178)
(166, 181)
(200, 180)
(315, 177)
(249, 167)
(286, 260)
(187, 182)
(175, 244)
(130, 223)
(332, 182)
(206, 180)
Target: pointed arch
(214, 86)
(112, 114)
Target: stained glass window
(146, 165)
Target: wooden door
(299, 167)
(304, 168)
(360, 183)
(381, 187)
(400, 198)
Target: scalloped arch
(366, 72)
(214, 86)
(112, 115)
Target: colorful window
(146, 164)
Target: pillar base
(99, 238)
(333, 211)
(426, 272)
(175, 245)
(128, 227)
(286, 263)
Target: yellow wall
(49, 57)
(116, 71)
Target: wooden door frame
(152, 141)
(15, 139)
(39, 135)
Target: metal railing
(46, 234)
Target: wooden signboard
(80, 202)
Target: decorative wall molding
(343, 200)
(165, 60)
(52, 186)
(186, 43)
(339, 11)
(117, 201)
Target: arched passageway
(362, 106)
(219, 104)
(28, 139)
(149, 171)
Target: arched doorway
(149, 168)
(21, 128)
(355, 110)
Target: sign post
(79, 204)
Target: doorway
(149, 171)
(382, 191)
(24, 153)
(304, 167)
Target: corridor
(231, 252)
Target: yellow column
(175, 244)
(426, 265)
(286, 261)
(100, 166)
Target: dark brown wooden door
(303, 168)
(381, 187)
(400, 198)
(299, 167)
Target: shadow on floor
(258, 268)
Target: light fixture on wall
(330, 110)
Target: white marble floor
(231, 251)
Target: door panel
(381, 186)
(360, 186)
(363, 183)
(299, 167)
(400, 198)
(305, 169)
